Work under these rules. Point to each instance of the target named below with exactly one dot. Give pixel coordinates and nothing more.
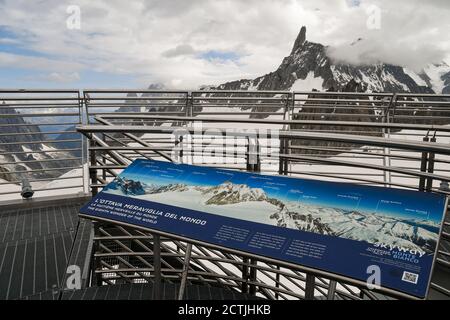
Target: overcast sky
(187, 43)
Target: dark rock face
(127, 186)
(301, 38)
(446, 79)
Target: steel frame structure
(122, 125)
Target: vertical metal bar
(83, 144)
(184, 275)
(253, 155)
(96, 265)
(431, 157)
(103, 159)
(386, 113)
(244, 287)
(292, 107)
(253, 276)
(309, 286)
(86, 105)
(277, 282)
(281, 161)
(423, 166)
(187, 112)
(157, 267)
(331, 290)
(92, 171)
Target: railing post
(386, 118)
(423, 165)
(184, 275)
(157, 267)
(431, 157)
(93, 171)
(253, 276)
(331, 290)
(189, 112)
(245, 274)
(283, 165)
(277, 282)
(309, 286)
(253, 154)
(97, 277)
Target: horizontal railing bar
(337, 100)
(45, 189)
(44, 170)
(43, 160)
(40, 106)
(326, 93)
(37, 90)
(247, 92)
(35, 133)
(132, 99)
(126, 113)
(28, 115)
(37, 99)
(93, 91)
(33, 152)
(376, 141)
(282, 122)
(41, 180)
(239, 98)
(40, 124)
(40, 142)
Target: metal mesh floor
(36, 246)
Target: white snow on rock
(415, 77)
(435, 72)
(308, 84)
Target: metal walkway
(38, 242)
(144, 291)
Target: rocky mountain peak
(301, 38)
(309, 67)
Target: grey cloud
(180, 50)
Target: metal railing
(392, 140)
(39, 144)
(118, 139)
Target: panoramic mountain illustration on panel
(343, 214)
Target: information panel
(360, 232)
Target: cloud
(180, 50)
(63, 77)
(185, 44)
(37, 63)
(410, 33)
(54, 77)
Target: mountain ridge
(309, 67)
(229, 197)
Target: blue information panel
(346, 229)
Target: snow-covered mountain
(309, 67)
(228, 193)
(243, 202)
(20, 146)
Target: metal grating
(36, 245)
